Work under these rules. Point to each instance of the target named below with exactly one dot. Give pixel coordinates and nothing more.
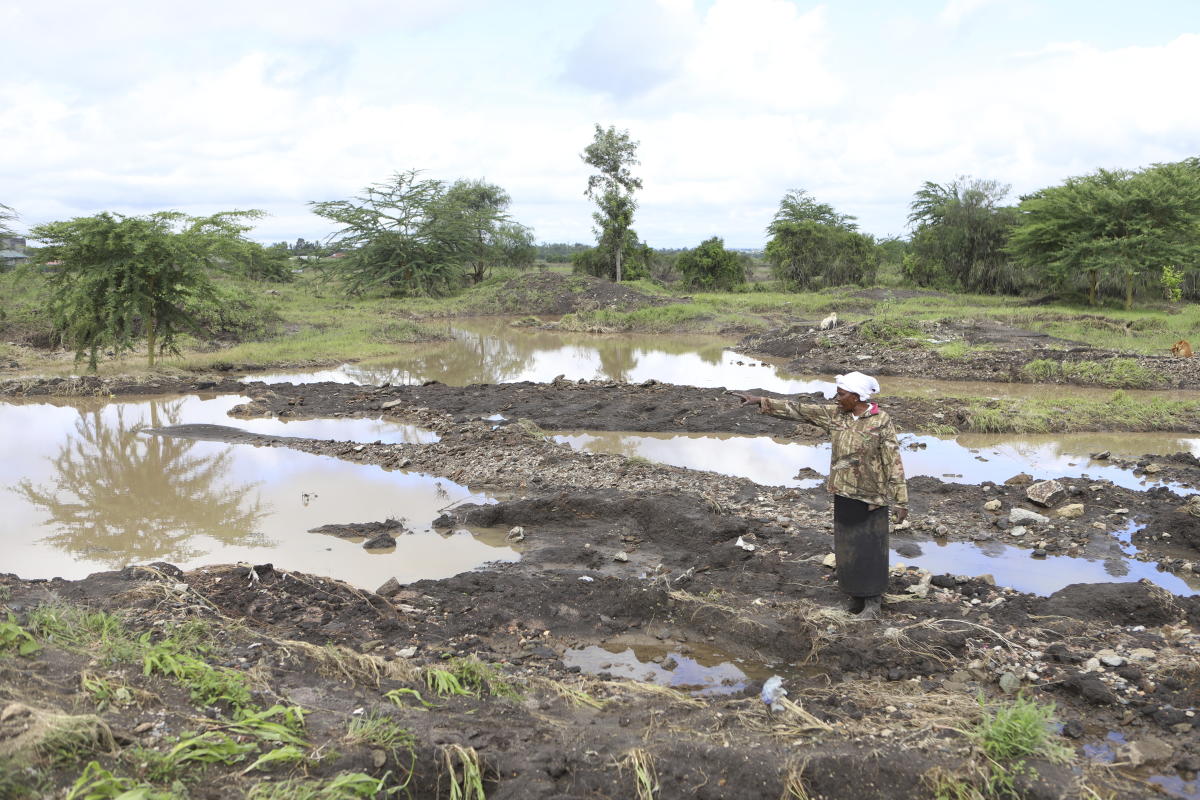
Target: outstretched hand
(747, 399)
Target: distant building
(12, 251)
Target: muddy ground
(629, 553)
(1003, 356)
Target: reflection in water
(117, 496)
(90, 493)
(1012, 566)
(492, 351)
(775, 462)
(702, 673)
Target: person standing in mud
(866, 479)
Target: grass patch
(468, 677)
(888, 330)
(1114, 372)
(97, 783)
(78, 629)
(1019, 730)
(1117, 412)
(464, 770)
(15, 639)
(645, 779)
(343, 786)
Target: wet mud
(616, 549)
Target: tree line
(117, 280)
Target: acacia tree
(7, 217)
(812, 244)
(1118, 225)
(960, 230)
(612, 153)
(420, 236)
(119, 279)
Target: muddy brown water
(492, 350)
(87, 490)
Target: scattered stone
(992, 505)
(1017, 530)
(1024, 516)
(621, 556)
(1073, 729)
(1046, 493)
(1152, 468)
(1142, 654)
(1010, 683)
(379, 542)
(407, 652)
(829, 561)
(390, 587)
(1071, 511)
(517, 534)
(1147, 750)
(1020, 479)
(943, 581)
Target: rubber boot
(872, 607)
(855, 604)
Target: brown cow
(1181, 349)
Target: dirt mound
(1122, 603)
(555, 293)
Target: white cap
(862, 385)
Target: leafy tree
(420, 236)
(272, 263)
(7, 218)
(959, 237)
(475, 215)
(612, 153)
(711, 266)
(1115, 225)
(121, 279)
(598, 261)
(813, 245)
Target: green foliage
(1111, 226)
(288, 754)
(1017, 730)
(812, 245)
(959, 238)
(7, 218)
(465, 772)
(15, 638)
(710, 266)
(380, 730)
(208, 684)
(212, 747)
(888, 330)
(97, 783)
(233, 312)
(343, 786)
(1171, 281)
(105, 692)
(76, 628)
(637, 259)
(123, 279)
(1115, 372)
(611, 154)
(260, 263)
(398, 696)
(421, 237)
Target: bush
(711, 266)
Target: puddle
(1175, 786)
(1013, 566)
(490, 350)
(1106, 751)
(703, 671)
(87, 491)
(776, 462)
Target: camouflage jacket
(865, 463)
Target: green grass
(1063, 415)
(1115, 372)
(1018, 730)
(15, 639)
(343, 786)
(97, 783)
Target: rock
(390, 587)
(1009, 683)
(943, 581)
(1073, 729)
(407, 652)
(621, 556)
(1024, 516)
(1142, 654)
(1071, 511)
(829, 561)
(144, 727)
(1090, 688)
(379, 542)
(378, 758)
(1152, 468)
(1046, 493)
(1038, 553)
(1103, 455)
(1147, 750)
(1020, 479)
(1091, 665)
(517, 534)
(1017, 530)
(992, 505)
(391, 404)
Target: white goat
(829, 322)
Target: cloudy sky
(140, 105)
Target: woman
(866, 478)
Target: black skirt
(860, 543)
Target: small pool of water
(776, 462)
(703, 671)
(1015, 567)
(87, 490)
